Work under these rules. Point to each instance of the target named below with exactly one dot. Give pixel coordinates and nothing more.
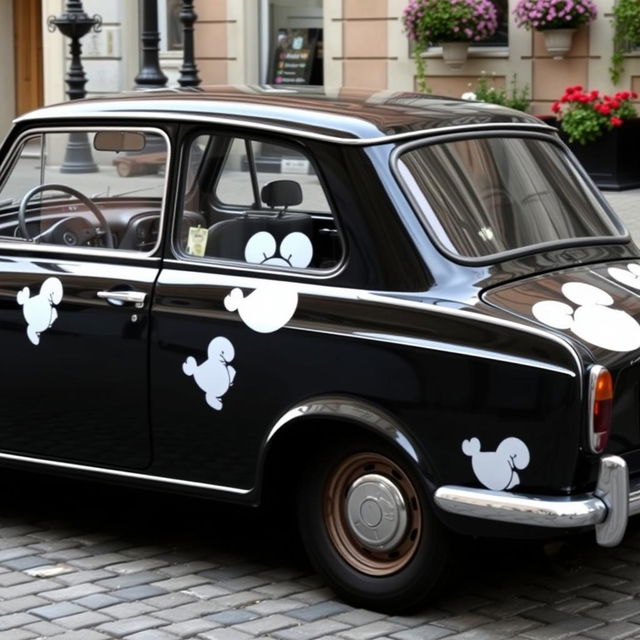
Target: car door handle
(136, 298)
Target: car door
(79, 255)
(224, 362)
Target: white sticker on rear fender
(496, 470)
(39, 310)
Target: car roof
(346, 115)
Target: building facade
(356, 43)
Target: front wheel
(369, 529)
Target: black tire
(363, 476)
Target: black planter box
(613, 160)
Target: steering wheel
(22, 222)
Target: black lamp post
(150, 75)
(74, 23)
(188, 71)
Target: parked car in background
(400, 315)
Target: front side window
(90, 188)
(492, 195)
(257, 202)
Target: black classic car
(401, 315)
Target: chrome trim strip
(60, 112)
(86, 251)
(123, 474)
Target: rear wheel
(369, 529)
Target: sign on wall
(297, 57)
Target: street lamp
(74, 23)
(150, 75)
(188, 71)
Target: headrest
(281, 193)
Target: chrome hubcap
(376, 512)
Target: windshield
(490, 195)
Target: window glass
(85, 189)
(490, 195)
(256, 202)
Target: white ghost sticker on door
(496, 470)
(39, 311)
(594, 320)
(214, 376)
(266, 309)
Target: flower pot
(558, 41)
(455, 53)
(612, 160)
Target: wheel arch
(319, 420)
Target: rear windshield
(489, 196)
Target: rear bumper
(607, 509)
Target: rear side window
(257, 202)
(493, 195)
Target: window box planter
(612, 160)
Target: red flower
(615, 104)
(605, 109)
(615, 121)
(555, 107)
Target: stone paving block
(83, 620)
(84, 634)
(423, 632)
(559, 630)
(313, 596)
(45, 629)
(18, 634)
(136, 566)
(576, 605)
(372, 630)
(243, 583)
(508, 607)
(606, 596)
(190, 628)
(281, 589)
(225, 634)
(183, 582)
(11, 578)
(12, 620)
(267, 624)
(463, 622)
(232, 617)
(206, 591)
(27, 588)
(153, 634)
(280, 605)
(616, 612)
(140, 592)
(188, 611)
(100, 561)
(13, 553)
(169, 600)
(123, 581)
(71, 593)
(65, 555)
(615, 631)
(80, 577)
(25, 562)
(320, 610)
(144, 551)
(232, 571)
(127, 610)
(310, 631)
(22, 604)
(509, 627)
(187, 568)
(127, 626)
(57, 610)
(97, 601)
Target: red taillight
(601, 402)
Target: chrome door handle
(136, 298)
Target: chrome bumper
(608, 508)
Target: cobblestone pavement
(83, 561)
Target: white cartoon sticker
(629, 276)
(295, 250)
(39, 311)
(214, 376)
(594, 320)
(496, 470)
(267, 309)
